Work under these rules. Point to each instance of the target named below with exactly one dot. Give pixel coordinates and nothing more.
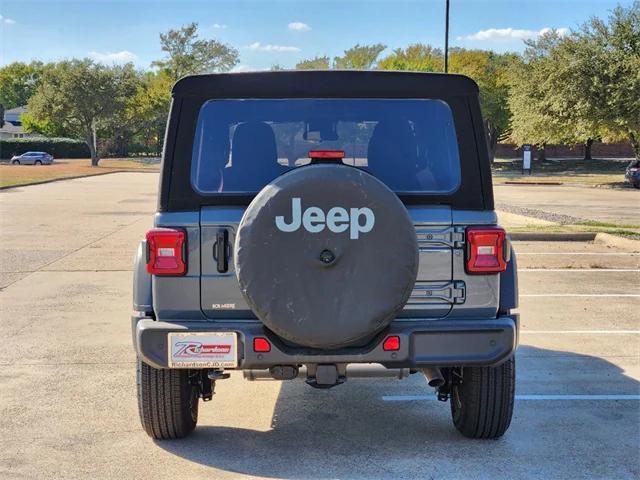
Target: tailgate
(435, 292)
(220, 295)
(433, 296)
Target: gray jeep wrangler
(325, 226)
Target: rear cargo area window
(409, 144)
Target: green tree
(601, 74)
(81, 98)
(43, 126)
(534, 101)
(548, 104)
(490, 72)
(359, 57)
(586, 85)
(316, 63)
(188, 55)
(146, 112)
(18, 82)
(415, 58)
(487, 68)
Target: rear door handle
(221, 250)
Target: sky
(270, 32)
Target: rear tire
(38, 162)
(482, 402)
(167, 402)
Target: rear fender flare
(509, 284)
(142, 293)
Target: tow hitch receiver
(325, 376)
(205, 380)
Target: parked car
(632, 175)
(376, 253)
(32, 158)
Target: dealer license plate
(203, 350)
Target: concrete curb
(532, 183)
(616, 241)
(75, 177)
(553, 237)
(51, 180)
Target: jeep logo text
(337, 219)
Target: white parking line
(634, 295)
(412, 398)
(586, 332)
(581, 270)
(619, 254)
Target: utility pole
(446, 38)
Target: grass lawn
(629, 231)
(608, 173)
(19, 175)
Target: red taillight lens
(391, 343)
(338, 154)
(166, 252)
(486, 250)
(261, 345)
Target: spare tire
(326, 256)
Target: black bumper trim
(442, 343)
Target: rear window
(409, 144)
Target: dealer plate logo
(203, 350)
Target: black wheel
(482, 399)
(38, 162)
(16, 162)
(167, 402)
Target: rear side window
(409, 144)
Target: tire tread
(165, 402)
(486, 400)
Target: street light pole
(446, 38)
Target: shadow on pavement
(350, 432)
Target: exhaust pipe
(434, 377)
(375, 370)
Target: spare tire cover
(326, 255)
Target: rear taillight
(166, 252)
(486, 251)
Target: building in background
(12, 127)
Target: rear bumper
(442, 343)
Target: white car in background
(32, 158)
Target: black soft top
(460, 92)
(325, 83)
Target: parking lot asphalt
(67, 380)
(596, 204)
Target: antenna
(446, 38)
